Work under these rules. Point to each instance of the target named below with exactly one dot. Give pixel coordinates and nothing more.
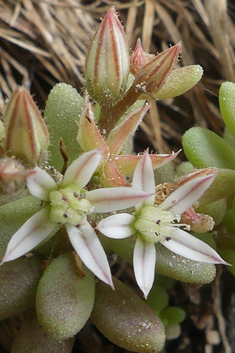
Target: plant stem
(109, 116)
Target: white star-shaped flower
(152, 223)
(69, 204)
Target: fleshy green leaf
(215, 209)
(229, 221)
(32, 339)
(184, 168)
(180, 81)
(19, 280)
(126, 320)
(64, 300)
(173, 331)
(173, 315)
(204, 148)
(62, 111)
(223, 185)
(177, 267)
(227, 105)
(229, 138)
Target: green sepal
(13, 215)
(19, 280)
(227, 105)
(126, 320)
(64, 300)
(32, 339)
(204, 148)
(62, 111)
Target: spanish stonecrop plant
(73, 193)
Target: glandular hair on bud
(139, 58)
(26, 134)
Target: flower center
(155, 223)
(69, 205)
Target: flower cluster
(98, 181)
(68, 203)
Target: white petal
(40, 184)
(143, 178)
(144, 259)
(90, 250)
(185, 196)
(82, 169)
(32, 233)
(188, 246)
(115, 199)
(117, 226)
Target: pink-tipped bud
(26, 134)
(152, 75)
(198, 222)
(139, 58)
(107, 61)
(12, 175)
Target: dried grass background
(43, 42)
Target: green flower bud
(107, 61)
(26, 133)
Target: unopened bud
(26, 134)
(198, 222)
(107, 61)
(152, 75)
(139, 58)
(12, 175)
